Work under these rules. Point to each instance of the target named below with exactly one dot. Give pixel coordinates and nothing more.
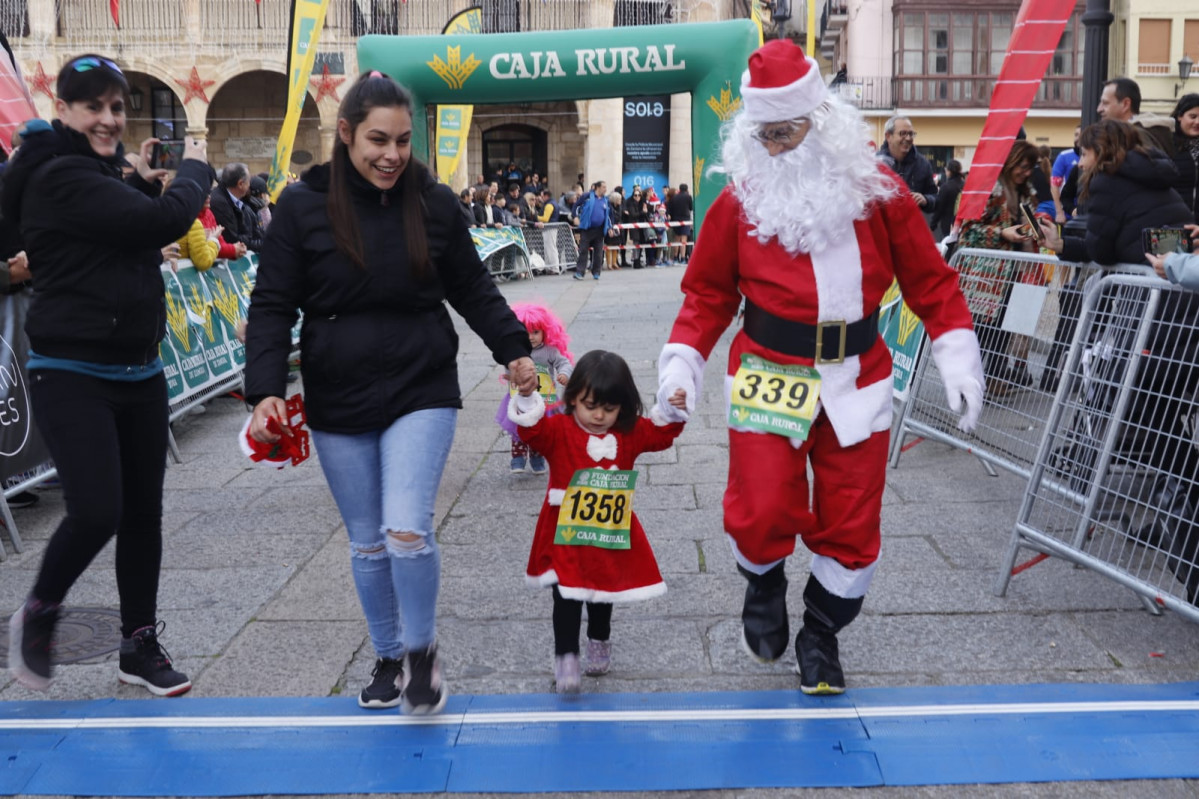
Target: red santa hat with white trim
(781, 83)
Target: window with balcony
(1153, 47)
(952, 58)
(1190, 39)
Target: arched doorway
(244, 119)
(523, 145)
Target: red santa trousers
(766, 504)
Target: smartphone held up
(167, 154)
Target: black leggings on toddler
(568, 620)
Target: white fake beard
(805, 196)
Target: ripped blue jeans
(385, 485)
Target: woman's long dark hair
(606, 378)
(375, 90)
(1111, 141)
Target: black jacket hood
(1153, 171)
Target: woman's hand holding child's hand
(523, 374)
(678, 399)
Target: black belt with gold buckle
(826, 342)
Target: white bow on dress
(602, 448)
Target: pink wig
(538, 317)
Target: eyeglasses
(94, 62)
(782, 134)
(906, 134)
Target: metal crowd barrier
(510, 263)
(1113, 485)
(552, 248)
(1025, 309)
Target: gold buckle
(820, 328)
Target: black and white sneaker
(30, 631)
(145, 662)
(424, 691)
(384, 690)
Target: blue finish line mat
(602, 742)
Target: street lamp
(136, 95)
(1184, 72)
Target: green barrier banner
(903, 332)
(244, 270)
(489, 241)
(211, 334)
(170, 369)
(189, 350)
(228, 307)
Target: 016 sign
(646, 143)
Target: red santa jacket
(845, 281)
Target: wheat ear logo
(907, 323)
(202, 309)
(226, 302)
(177, 320)
(726, 106)
(454, 71)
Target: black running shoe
(819, 665)
(424, 691)
(384, 690)
(145, 662)
(30, 631)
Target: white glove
(959, 360)
(679, 366)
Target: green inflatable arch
(705, 59)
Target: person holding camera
(96, 381)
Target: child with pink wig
(551, 351)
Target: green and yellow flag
(307, 19)
(453, 121)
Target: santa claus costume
(811, 231)
(591, 574)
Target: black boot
(819, 664)
(765, 628)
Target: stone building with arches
(216, 69)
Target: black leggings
(568, 620)
(108, 440)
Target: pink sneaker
(599, 657)
(566, 673)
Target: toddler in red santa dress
(588, 545)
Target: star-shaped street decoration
(326, 85)
(41, 82)
(195, 87)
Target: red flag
(115, 7)
(16, 105)
(1038, 30)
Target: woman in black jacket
(1127, 188)
(97, 385)
(370, 247)
(946, 206)
(1186, 151)
(635, 209)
